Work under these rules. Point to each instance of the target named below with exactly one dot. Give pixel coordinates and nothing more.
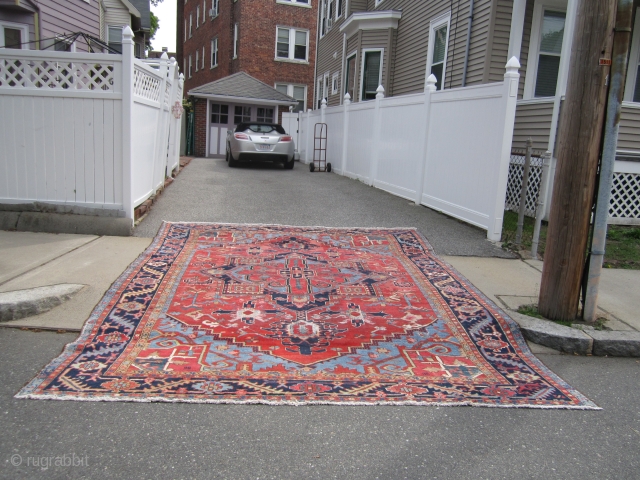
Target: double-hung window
(115, 38)
(295, 2)
(549, 53)
(264, 115)
(197, 60)
(299, 92)
(202, 66)
(214, 52)
(191, 25)
(350, 77)
(214, 8)
(335, 80)
(190, 66)
(292, 44)
(371, 73)
(15, 35)
(197, 16)
(438, 46)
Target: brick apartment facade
(257, 25)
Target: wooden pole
(579, 139)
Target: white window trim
(534, 44)
(318, 99)
(344, 8)
(197, 16)
(325, 86)
(190, 66)
(343, 77)
(433, 26)
(214, 42)
(378, 2)
(191, 25)
(634, 60)
(364, 51)
(185, 29)
(203, 55)
(235, 40)
(322, 16)
(292, 45)
(335, 83)
(197, 57)
(18, 26)
(295, 3)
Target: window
(60, 45)
(371, 73)
(545, 48)
(137, 50)
(265, 115)
(242, 115)
(632, 87)
(330, 14)
(189, 66)
(235, 41)
(14, 35)
(202, 59)
(299, 92)
(334, 83)
(378, 2)
(115, 38)
(438, 45)
(214, 52)
(291, 44)
(549, 53)
(294, 2)
(197, 16)
(350, 77)
(319, 93)
(324, 9)
(204, 10)
(185, 29)
(190, 25)
(339, 8)
(197, 60)
(219, 113)
(214, 8)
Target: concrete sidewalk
(30, 260)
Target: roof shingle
(242, 85)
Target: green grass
(532, 311)
(622, 249)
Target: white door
(218, 125)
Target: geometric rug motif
(225, 313)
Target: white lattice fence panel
(55, 75)
(625, 196)
(167, 94)
(145, 85)
(514, 184)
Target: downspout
(466, 50)
(315, 64)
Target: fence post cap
(347, 99)
(323, 104)
(431, 82)
(380, 92)
(127, 32)
(513, 65)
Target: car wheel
(226, 154)
(289, 165)
(312, 167)
(232, 162)
(328, 167)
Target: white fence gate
(448, 150)
(87, 130)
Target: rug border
(87, 328)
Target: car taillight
(241, 136)
(286, 138)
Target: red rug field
(219, 313)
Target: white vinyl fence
(448, 150)
(87, 130)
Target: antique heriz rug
(223, 313)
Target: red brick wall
(257, 21)
(200, 124)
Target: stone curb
(581, 341)
(34, 301)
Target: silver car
(261, 142)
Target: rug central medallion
(295, 315)
(301, 299)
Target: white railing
(448, 150)
(88, 130)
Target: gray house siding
(357, 6)
(533, 120)
(69, 16)
(501, 28)
(524, 51)
(331, 44)
(628, 137)
(116, 13)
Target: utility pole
(618, 75)
(579, 141)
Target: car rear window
(260, 128)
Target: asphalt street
(181, 440)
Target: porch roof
(242, 87)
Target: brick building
(272, 41)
